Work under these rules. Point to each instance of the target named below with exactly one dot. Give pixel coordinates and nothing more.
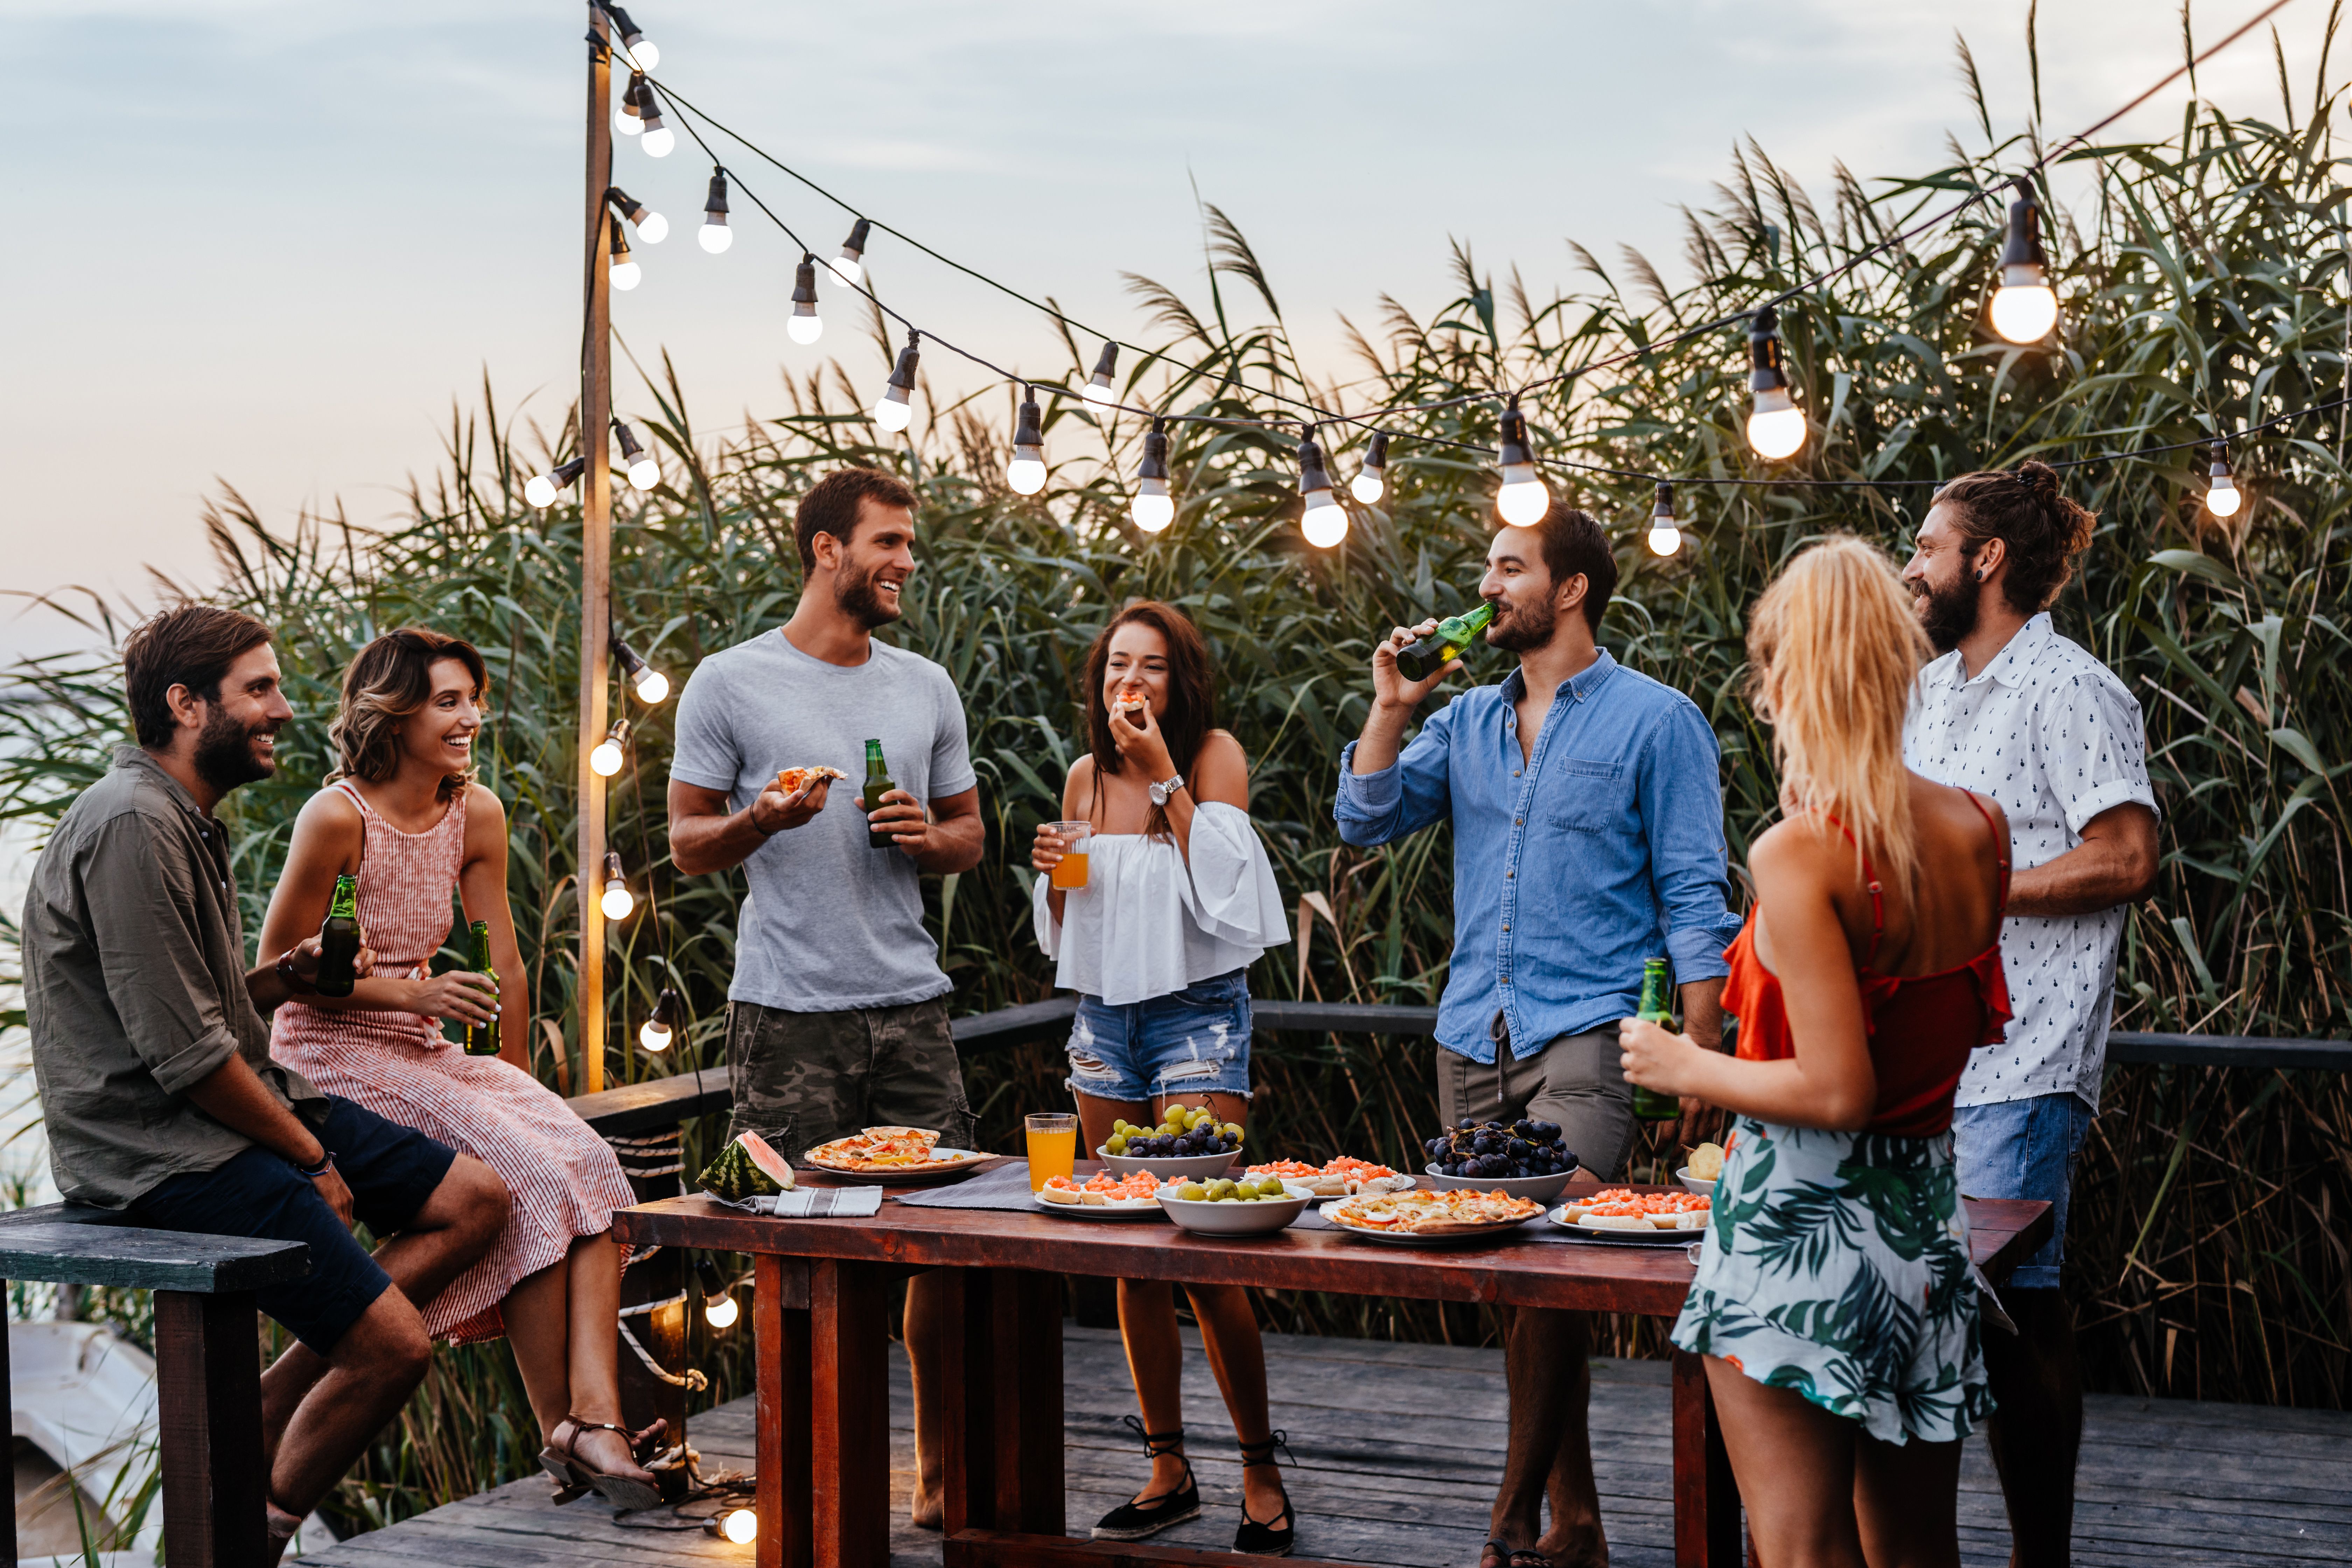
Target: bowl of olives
(1189, 1143)
(1222, 1207)
(1525, 1159)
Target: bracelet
(320, 1169)
(293, 982)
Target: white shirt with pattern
(2051, 734)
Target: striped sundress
(565, 1180)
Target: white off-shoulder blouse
(1147, 924)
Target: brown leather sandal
(561, 1459)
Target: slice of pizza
(791, 781)
(879, 1149)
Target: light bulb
(1665, 534)
(1321, 518)
(1371, 482)
(2024, 308)
(627, 275)
(1666, 541)
(894, 411)
(653, 1037)
(1153, 507)
(1522, 500)
(645, 53)
(2222, 497)
(740, 1526)
(1026, 472)
(644, 473)
(651, 227)
(611, 750)
(848, 268)
(716, 235)
(721, 1314)
(652, 686)
(540, 492)
(804, 325)
(658, 139)
(1776, 427)
(660, 1026)
(629, 119)
(618, 901)
(1101, 386)
(641, 49)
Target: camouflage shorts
(804, 1078)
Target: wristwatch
(1160, 792)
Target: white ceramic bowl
(1183, 1168)
(1540, 1189)
(1258, 1217)
(1691, 1184)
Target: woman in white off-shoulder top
(1180, 900)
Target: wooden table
(820, 1312)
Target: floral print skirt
(1837, 1265)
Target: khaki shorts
(1576, 1081)
(804, 1078)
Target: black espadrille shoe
(1150, 1515)
(1276, 1537)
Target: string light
(543, 489)
(892, 410)
(2024, 308)
(1153, 507)
(1321, 518)
(629, 119)
(716, 235)
(2222, 497)
(641, 49)
(1372, 481)
(1665, 534)
(626, 274)
(619, 901)
(740, 1526)
(1026, 472)
(606, 759)
(1522, 499)
(848, 268)
(1776, 427)
(802, 326)
(658, 139)
(1100, 387)
(644, 471)
(661, 1026)
(651, 227)
(651, 684)
(718, 1308)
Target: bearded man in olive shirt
(157, 1090)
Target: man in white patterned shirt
(2015, 711)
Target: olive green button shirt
(134, 987)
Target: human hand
(1656, 1058)
(775, 812)
(902, 817)
(1140, 740)
(1700, 1123)
(467, 998)
(1047, 851)
(1389, 688)
(303, 958)
(329, 1185)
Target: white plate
(1535, 1189)
(1141, 1208)
(1260, 1217)
(1691, 1184)
(975, 1160)
(1173, 1168)
(1411, 1238)
(1652, 1238)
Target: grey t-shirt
(831, 923)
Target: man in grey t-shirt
(837, 1016)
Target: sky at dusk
(272, 244)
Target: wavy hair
(387, 681)
(1834, 650)
(1192, 693)
(2028, 510)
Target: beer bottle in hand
(482, 1039)
(1648, 1103)
(1420, 660)
(878, 783)
(338, 940)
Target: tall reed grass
(2205, 283)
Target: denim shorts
(1193, 1041)
(2024, 1149)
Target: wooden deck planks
(1398, 1448)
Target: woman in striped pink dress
(403, 815)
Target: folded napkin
(813, 1202)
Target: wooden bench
(207, 1362)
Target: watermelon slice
(746, 1168)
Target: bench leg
(208, 1409)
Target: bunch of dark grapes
(1499, 1151)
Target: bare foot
(930, 1512)
(1577, 1546)
(1262, 1498)
(609, 1452)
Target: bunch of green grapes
(1182, 1131)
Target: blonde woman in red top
(1833, 1302)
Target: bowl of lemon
(1222, 1207)
(1190, 1142)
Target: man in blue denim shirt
(1587, 836)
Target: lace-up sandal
(1150, 1515)
(561, 1459)
(1276, 1535)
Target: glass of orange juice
(1052, 1147)
(1070, 871)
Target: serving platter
(1652, 1238)
(1143, 1208)
(1448, 1236)
(932, 1172)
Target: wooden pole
(595, 555)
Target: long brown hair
(1192, 693)
(389, 680)
(2026, 509)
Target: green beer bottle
(1420, 660)
(482, 1039)
(878, 783)
(338, 940)
(1648, 1103)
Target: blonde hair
(1834, 652)
(387, 681)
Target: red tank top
(1921, 1027)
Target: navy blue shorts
(391, 1171)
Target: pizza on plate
(884, 1148)
(1431, 1213)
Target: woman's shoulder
(483, 809)
(333, 810)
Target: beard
(1523, 629)
(858, 595)
(223, 756)
(1948, 614)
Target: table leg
(782, 1356)
(208, 1428)
(1026, 1310)
(1707, 1498)
(850, 1408)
